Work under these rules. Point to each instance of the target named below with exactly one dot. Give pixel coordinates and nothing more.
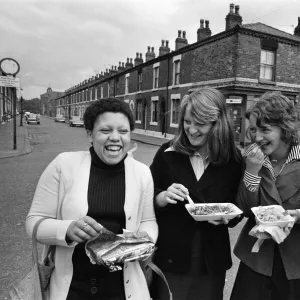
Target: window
(138, 111)
(175, 108)
(154, 110)
(267, 62)
(117, 87)
(140, 80)
(101, 91)
(91, 94)
(96, 90)
(155, 77)
(127, 83)
(108, 89)
(176, 72)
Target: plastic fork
(189, 199)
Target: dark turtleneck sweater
(106, 197)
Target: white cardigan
(61, 195)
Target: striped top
(252, 181)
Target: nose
(258, 137)
(192, 129)
(114, 136)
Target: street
(19, 176)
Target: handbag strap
(158, 271)
(34, 239)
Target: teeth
(113, 148)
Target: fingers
(222, 221)
(83, 229)
(176, 192)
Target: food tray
(216, 216)
(277, 223)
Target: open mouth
(113, 148)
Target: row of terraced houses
(243, 61)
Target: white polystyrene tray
(277, 223)
(217, 216)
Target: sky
(59, 43)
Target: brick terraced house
(243, 61)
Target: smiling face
(196, 132)
(111, 137)
(267, 136)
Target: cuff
(251, 181)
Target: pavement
(24, 147)
(7, 139)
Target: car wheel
(39, 123)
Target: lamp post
(21, 111)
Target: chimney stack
(138, 60)
(127, 65)
(180, 41)
(164, 49)
(233, 18)
(120, 67)
(150, 54)
(297, 29)
(203, 33)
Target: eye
(265, 130)
(200, 124)
(252, 130)
(123, 131)
(105, 130)
(188, 122)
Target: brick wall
(214, 61)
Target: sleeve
(251, 181)
(247, 197)
(148, 221)
(45, 204)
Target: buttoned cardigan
(61, 195)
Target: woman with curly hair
(203, 162)
(81, 191)
(272, 177)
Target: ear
(90, 136)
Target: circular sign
(9, 66)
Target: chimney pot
(183, 34)
(167, 43)
(128, 59)
(119, 64)
(206, 24)
(231, 6)
(237, 8)
(141, 55)
(122, 64)
(179, 33)
(137, 55)
(152, 49)
(201, 23)
(162, 43)
(148, 48)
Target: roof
(271, 30)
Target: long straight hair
(208, 105)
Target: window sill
(153, 123)
(174, 125)
(138, 122)
(154, 89)
(265, 81)
(176, 86)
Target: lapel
(182, 171)
(268, 184)
(132, 192)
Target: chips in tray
(113, 250)
(213, 211)
(272, 215)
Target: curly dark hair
(111, 104)
(276, 109)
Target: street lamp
(21, 111)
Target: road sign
(9, 81)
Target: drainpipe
(166, 113)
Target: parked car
(33, 118)
(60, 118)
(76, 121)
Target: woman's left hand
(295, 213)
(222, 221)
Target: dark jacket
(284, 191)
(177, 227)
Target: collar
(293, 155)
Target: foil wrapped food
(113, 250)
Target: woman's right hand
(255, 160)
(82, 230)
(175, 192)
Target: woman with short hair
(271, 177)
(78, 191)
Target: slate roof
(271, 30)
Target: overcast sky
(59, 43)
